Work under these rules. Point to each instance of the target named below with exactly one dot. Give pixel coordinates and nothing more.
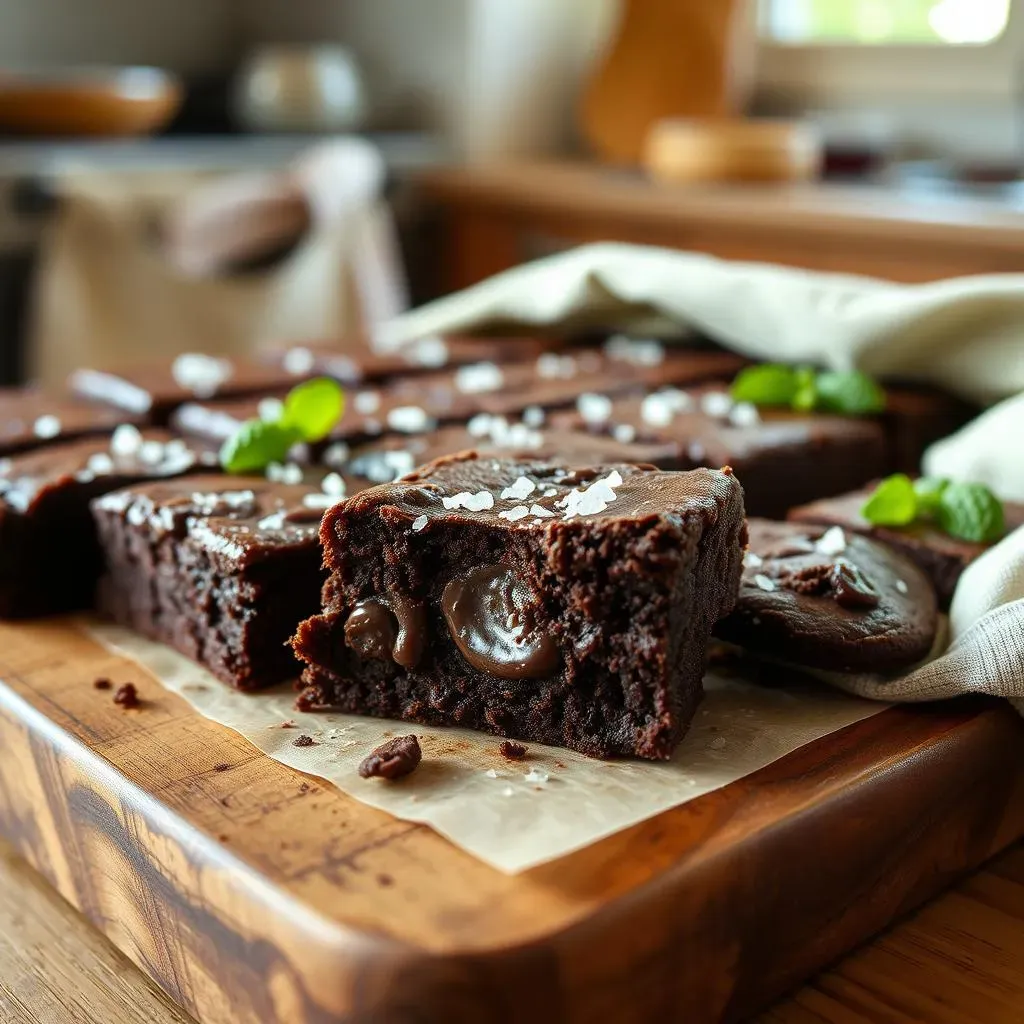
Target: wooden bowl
(88, 101)
(733, 149)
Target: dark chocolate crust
(222, 568)
(831, 601)
(781, 458)
(51, 557)
(940, 557)
(617, 603)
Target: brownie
(355, 362)
(527, 599)
(782, 458)
(154, 390)
(222, 568)
(395, 455)
(941, 557)
(821, 598)
(50, 557)
(914, 419)
(32, 418)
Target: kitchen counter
(501, 214)
(960, 959)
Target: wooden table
(959, 960)
(496, 216)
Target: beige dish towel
(966, 335)
(107, 296)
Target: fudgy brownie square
(222, 568)
(565, 606)
(31, 418)
(941, 557)
(50, 558)
(782, 458)
(154, 390)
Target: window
(884, 22)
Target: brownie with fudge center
(782, 458)
(51, 557)
(221, 568)
(941, 557)
(32, 418)
(154, 390)
(569, 606)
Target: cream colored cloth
(966, 335)
(107, 296)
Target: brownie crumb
(102, 684)
(127, 696)
(304, 788)
(385, 881)
(303, 741)
(289, 725)
(393, 759)
(511, 750)
(221, 767)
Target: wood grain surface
(252, 894)
(498, 215)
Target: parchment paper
(511, 815)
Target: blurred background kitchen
(220, 174)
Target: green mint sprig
(968, 512)
(804, 389)
(309, 413)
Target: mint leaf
(313, 408)
(893, 502)
(766, 385)
(255, 445)
(929, 490)
(850, 392)
(971, 512)
(805, 398)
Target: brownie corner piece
(561, 605)
(221, 568)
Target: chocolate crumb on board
(102, 684)
(393, 759)
(222, 767)
(127, 696)
(303, 741)
(289, 725)
(512, 750)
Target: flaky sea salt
(551, 365)
(659, 408)
(298, 361)
(366, 402)
(901, 586)
(752, 561)
(514, 514)
(593, 499)
(762, 581)
(533, 416)
(201, 374)
(832, 541)
(593, 408)
(522, 488)
(479, 377)
(716, 403)
(537, 775)
(541, 512)
(100, 464)
(336, 454)
(46, 426)
(151, 452)
(624, 433)
(419, 523)
(126, 441)
(410, 419)
(744, 414)
(319, 500)
(270, 410)
(383, 467)
(432, 351)
(334, 485)
(638, 351)
(479, 502)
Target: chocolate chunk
(127, 696)
(370, 630)
(393, 759)
(511, 750)
(493, 618)
(852, 589)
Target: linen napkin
(965, 335)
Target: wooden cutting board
(255, 895)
